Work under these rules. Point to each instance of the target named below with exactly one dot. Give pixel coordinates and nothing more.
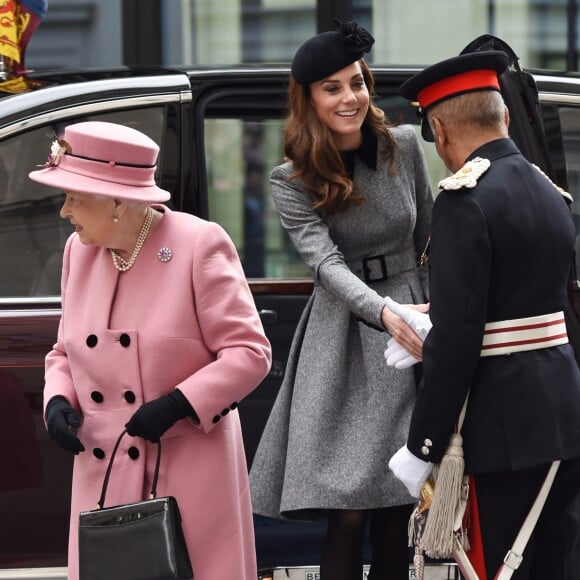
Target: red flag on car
(18, 20)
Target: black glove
(60, 418)
(152, 419)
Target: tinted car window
(32, 235)
(570, 132)
(240, 153)
(239, 157)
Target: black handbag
(136, 541)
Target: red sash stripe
(524, 327)
(530, 341)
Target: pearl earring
(116, 220)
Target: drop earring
(115, 219)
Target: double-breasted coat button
(216, 419)
(125, 340)
(97, 397)
(98, 453)
(425, 450)
(129, 396)
(133, 452)
(233, 406)
(92, 340)
(225, 412)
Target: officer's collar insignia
(467, 176)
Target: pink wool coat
(127, 338)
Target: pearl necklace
(120, 263)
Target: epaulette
(563, 192)
(467, 176)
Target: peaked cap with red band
(476, 71)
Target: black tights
(342, 552)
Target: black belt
(377, 268)
(374, 269)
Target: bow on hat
(356, 38)
(329, 52)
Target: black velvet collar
(367, 152)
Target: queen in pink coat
(159, 334)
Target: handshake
(396, 355)
(409, 469)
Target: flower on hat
(58, 148)
(356, 38)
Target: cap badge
(467, 176)
(165, 254)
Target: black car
(220, 133)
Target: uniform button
(98, 453)
(216, 419)
(97, 397)
(428, 442)
(425, 450)
(129, 396)
(233, 406)
(133, 452)
(225, 412)
(125, 340)
(92, 340)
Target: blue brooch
(165, 254)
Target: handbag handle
(101, 502)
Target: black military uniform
(501, 248)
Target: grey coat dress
(341, 413)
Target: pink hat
(105, 159)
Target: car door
(35, 475)
(237, 128)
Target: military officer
(502, 241)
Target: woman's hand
(61, 423)
(152, 419)
(409, 331)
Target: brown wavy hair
(317, 162)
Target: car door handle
(268, 316)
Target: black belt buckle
(368, 270)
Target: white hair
(480, 109)
(132, 203)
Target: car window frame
(70, 110)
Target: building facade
(97, 33)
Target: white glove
(411, 470)
(398, 356)
(418, 321)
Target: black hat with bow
(329, 52)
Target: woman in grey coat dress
(355, 199)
